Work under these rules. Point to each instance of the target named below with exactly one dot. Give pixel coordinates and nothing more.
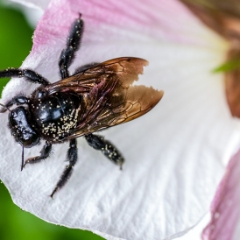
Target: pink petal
(124, 16)
(225, 210)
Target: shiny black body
(23, 128)
(53, 117)
(49, 117)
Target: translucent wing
(108, 95)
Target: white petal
(173, 154)
(38, 4)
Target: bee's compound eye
(20, 125)
(13, 114)
(41, 94)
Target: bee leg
(19, 100)
(73, 43)
(106, 147)
(29, 75)
(85, 67)
(44, 153)
(72, 158)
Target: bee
(97, 96)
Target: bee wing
(109, 96)
(127, 69)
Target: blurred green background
(15, 44)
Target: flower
(225, 208)
(173, 163)
(223, 17)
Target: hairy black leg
(44, 153)
(85, 67)
(28, 74)
(19, 100)
(72, 158)
(73, 43)
(106, 147)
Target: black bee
(95, 97)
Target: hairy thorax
(56, 115)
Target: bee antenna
(5, 108)
(22, 165)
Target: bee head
(21, 126)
